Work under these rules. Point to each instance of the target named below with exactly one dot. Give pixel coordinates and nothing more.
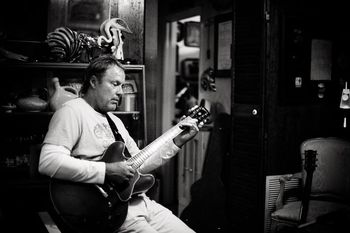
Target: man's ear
(93, 81)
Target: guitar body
(138, 184)
(97, 208)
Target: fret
(137, 160)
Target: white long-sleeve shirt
(77, 139)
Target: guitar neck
(138, 159)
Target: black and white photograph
(174, 116)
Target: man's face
(109, 89)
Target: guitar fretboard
(138, 159)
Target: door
(246, 182)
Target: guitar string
(144, 154)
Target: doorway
(187, 65)
(180, 84)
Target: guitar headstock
(200, 113)
(310, 160)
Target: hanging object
(111, 31)
(345, 98)
(345, 101)
(208, 80)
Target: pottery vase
(31, 103)
(58, 94)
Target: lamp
(345, 101)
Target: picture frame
(190, 68)
(129, 87)
(192, 34)
(223, 45)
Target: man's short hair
(97, 68)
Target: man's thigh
(145, 215)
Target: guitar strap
(116, 134)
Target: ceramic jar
(58, 94)
(32, 103)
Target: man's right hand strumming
(119, 171)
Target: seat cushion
(291, 211)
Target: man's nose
(120, 90)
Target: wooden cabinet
(23, 131)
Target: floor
(23, 208)
(331, 223)
(26, 222)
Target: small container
(32, 103)
(128, 103)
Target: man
(79, 134)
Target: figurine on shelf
(111, 35)
(65, 45)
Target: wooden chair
(325, 186)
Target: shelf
(43, 70)
(51, 113)
(57, 65)
(45, 65)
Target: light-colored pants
(147, 216)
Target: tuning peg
(193, 108)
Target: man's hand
(190, 129)
(119, 171)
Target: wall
(296, 114)
(222, 96)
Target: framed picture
(192, 34)
(129, 87)
(223, 43)
(190, 68)
(85, 15)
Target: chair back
(332, 173)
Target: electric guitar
(102, 208)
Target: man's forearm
(55, 161)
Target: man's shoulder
(71, 106)
(73, 102)
(76, 104)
